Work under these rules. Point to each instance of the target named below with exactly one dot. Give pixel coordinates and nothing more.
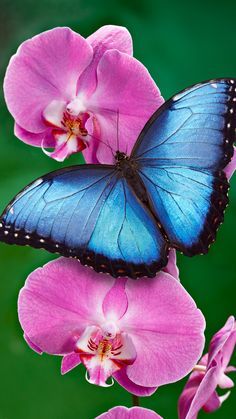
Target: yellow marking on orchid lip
(73, 125)
(104, 348)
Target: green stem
(135, 400)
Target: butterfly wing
(181, 154)
(88, 212)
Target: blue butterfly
(123, 218)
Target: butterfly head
(120, 156)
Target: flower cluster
(72, 94)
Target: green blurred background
(181, 43)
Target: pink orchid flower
(121, 412)
(231, 167)
(200, 390)
(71, 94)
(144, 333)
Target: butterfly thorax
(126, 165)
(129, 170)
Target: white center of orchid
(68, 126)
(76, 106)
(104, 350)
(109, 330)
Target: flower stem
(135, 400)
(200, 368)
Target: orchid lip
(103, 351)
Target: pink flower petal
(224, 397)
(230, 168)
(224, 381)
(212, 404)
(69, 362)
(197, 392)
(124, 86)
(53, 113)
(166, 328)
(115, 303)
(122, 378)
(65, 146)
(172, 268)
(32, 345)
(121, 412)
(35, 139)
(29, 137)
(45, 68)
(223, 341)
(105, 38)
(58, 301)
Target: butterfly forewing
(181, 154)
(88, 212)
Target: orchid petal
(166, 328)
(125, 98)
(53, 113)
(224, 381)
(122, 378)
(65, 146)
(212, 404)
(223, 342)
(32, 345)
(49, 312)
(121, 412)
(231, 166)
(224, 397)
(115, 303)
(172, 268)
(45, 68)
(105, 38)
(197, 392)
(69, 362)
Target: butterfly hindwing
(88, 212)
(181, 154)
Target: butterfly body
(123, 218)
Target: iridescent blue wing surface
(181, 154)
(88, 212)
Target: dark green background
(181, 43)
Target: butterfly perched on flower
(170, 192)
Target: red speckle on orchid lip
(73, 125)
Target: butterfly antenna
(103, 142)
(117, 130)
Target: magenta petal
(191, 404)
(212, 404)
(105, 38)
(188, 394)
(122, 378)
(223, 343)
(230, 168)
(166, 328)
(32, 345)
(124, 86)
(45, 68)
(121, 412)
(58, 301)
(172, 268)
(69, 362)
(115, 302)
(35, 139)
